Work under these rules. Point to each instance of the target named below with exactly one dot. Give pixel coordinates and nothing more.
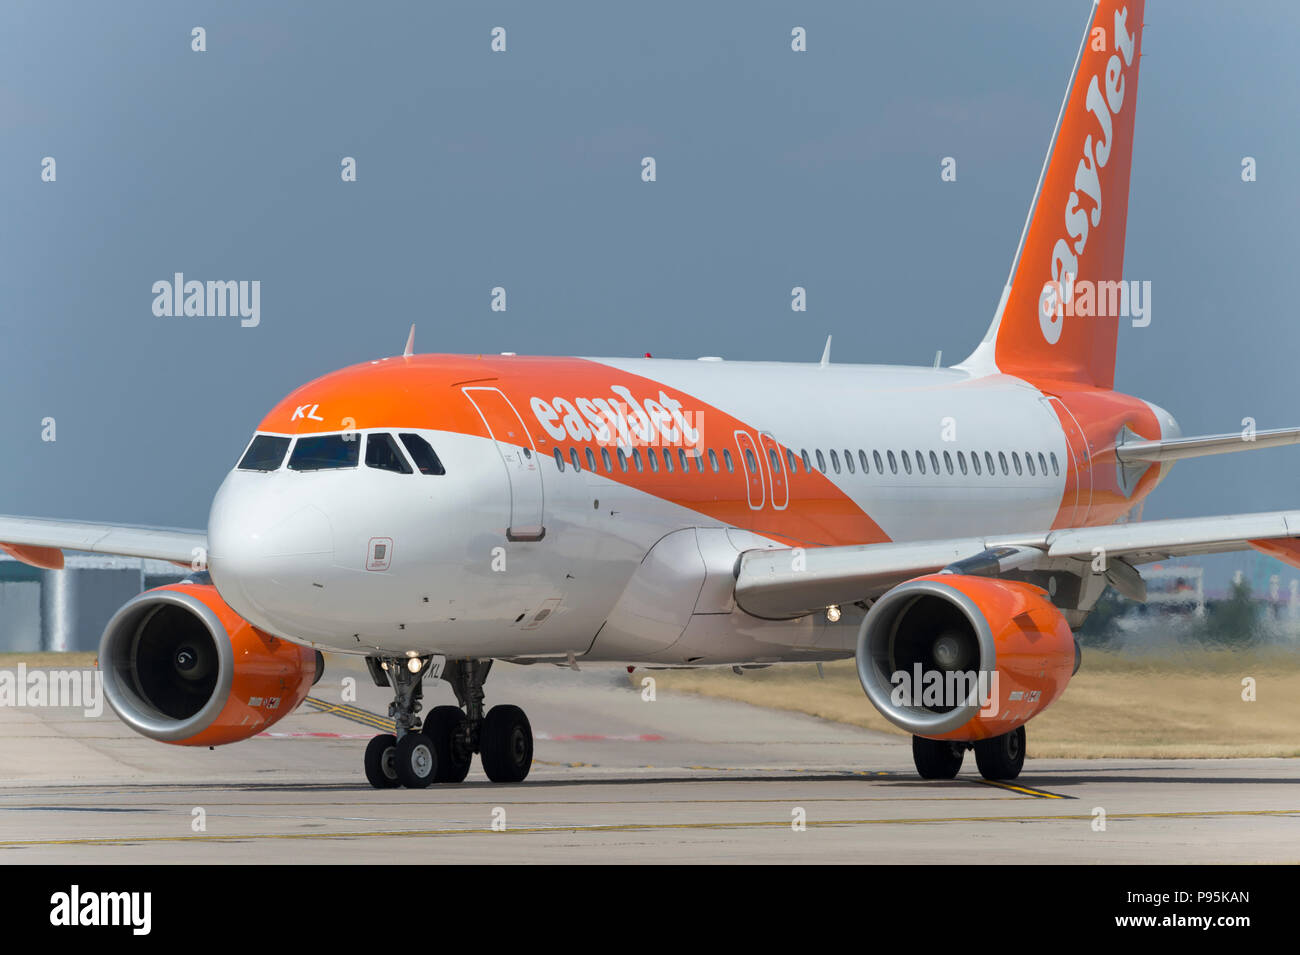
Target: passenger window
(862, 460)
(1015, 459)
(1042, 463)
(559, 460)
(848, 460)
(573, 459)
(713, 461)
(325, 452)
(875, 456)
(650, 456)
(947, 462)
(807, 461)
(835, 461)
(699, 461)
(893, 464)
(424, 457)
(920, 462)
(1002, 459)
(988, 460)
(775, 460)
(934, 463)
(383, 454)
(907, 461)
(1055, 469)
(622, 460)
(974, 461)
(726, 459)
(668, 461)
(1029, 463)
(683, 460)
(591, 459)
(266, 453)
(791, 461)
(604, 457)
(821, 461)
(750, 462)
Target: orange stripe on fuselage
(424, 391)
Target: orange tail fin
(1074, 236)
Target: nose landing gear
(441, 750)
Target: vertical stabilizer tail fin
(1058, 317)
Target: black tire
(506, 745)
(417, 761)
(381, 761)
(1001, 757)
(445, 728)
(936, 758)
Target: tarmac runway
(616, 779)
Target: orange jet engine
(963, 658)
(182, 667)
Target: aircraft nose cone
(304, 532)
(264, 548)
(253, 535)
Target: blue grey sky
(522, 169)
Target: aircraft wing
(791, 582)
(41, 542)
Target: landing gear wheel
(381, 761)
(445, 728)
(936, 758)
(1001, 757)
(417, 762)
(506, 744)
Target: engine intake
(182, 667)
(965, 658)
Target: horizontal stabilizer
(1176, 449)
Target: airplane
(437, 513)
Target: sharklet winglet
(410, 344)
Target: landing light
(833, 613)
(414, 664)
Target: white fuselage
(625, 572)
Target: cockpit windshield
(332, 452)
(266, 453)
(325, 452)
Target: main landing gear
(999, 758)
(441, 749)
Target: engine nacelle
(182, 667)
(948, 656)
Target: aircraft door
(519, 456)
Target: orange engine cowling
(182, 667)
(948, 656)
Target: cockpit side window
(326, 452)
(383, 454)
(422, 454)
(266, 453)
